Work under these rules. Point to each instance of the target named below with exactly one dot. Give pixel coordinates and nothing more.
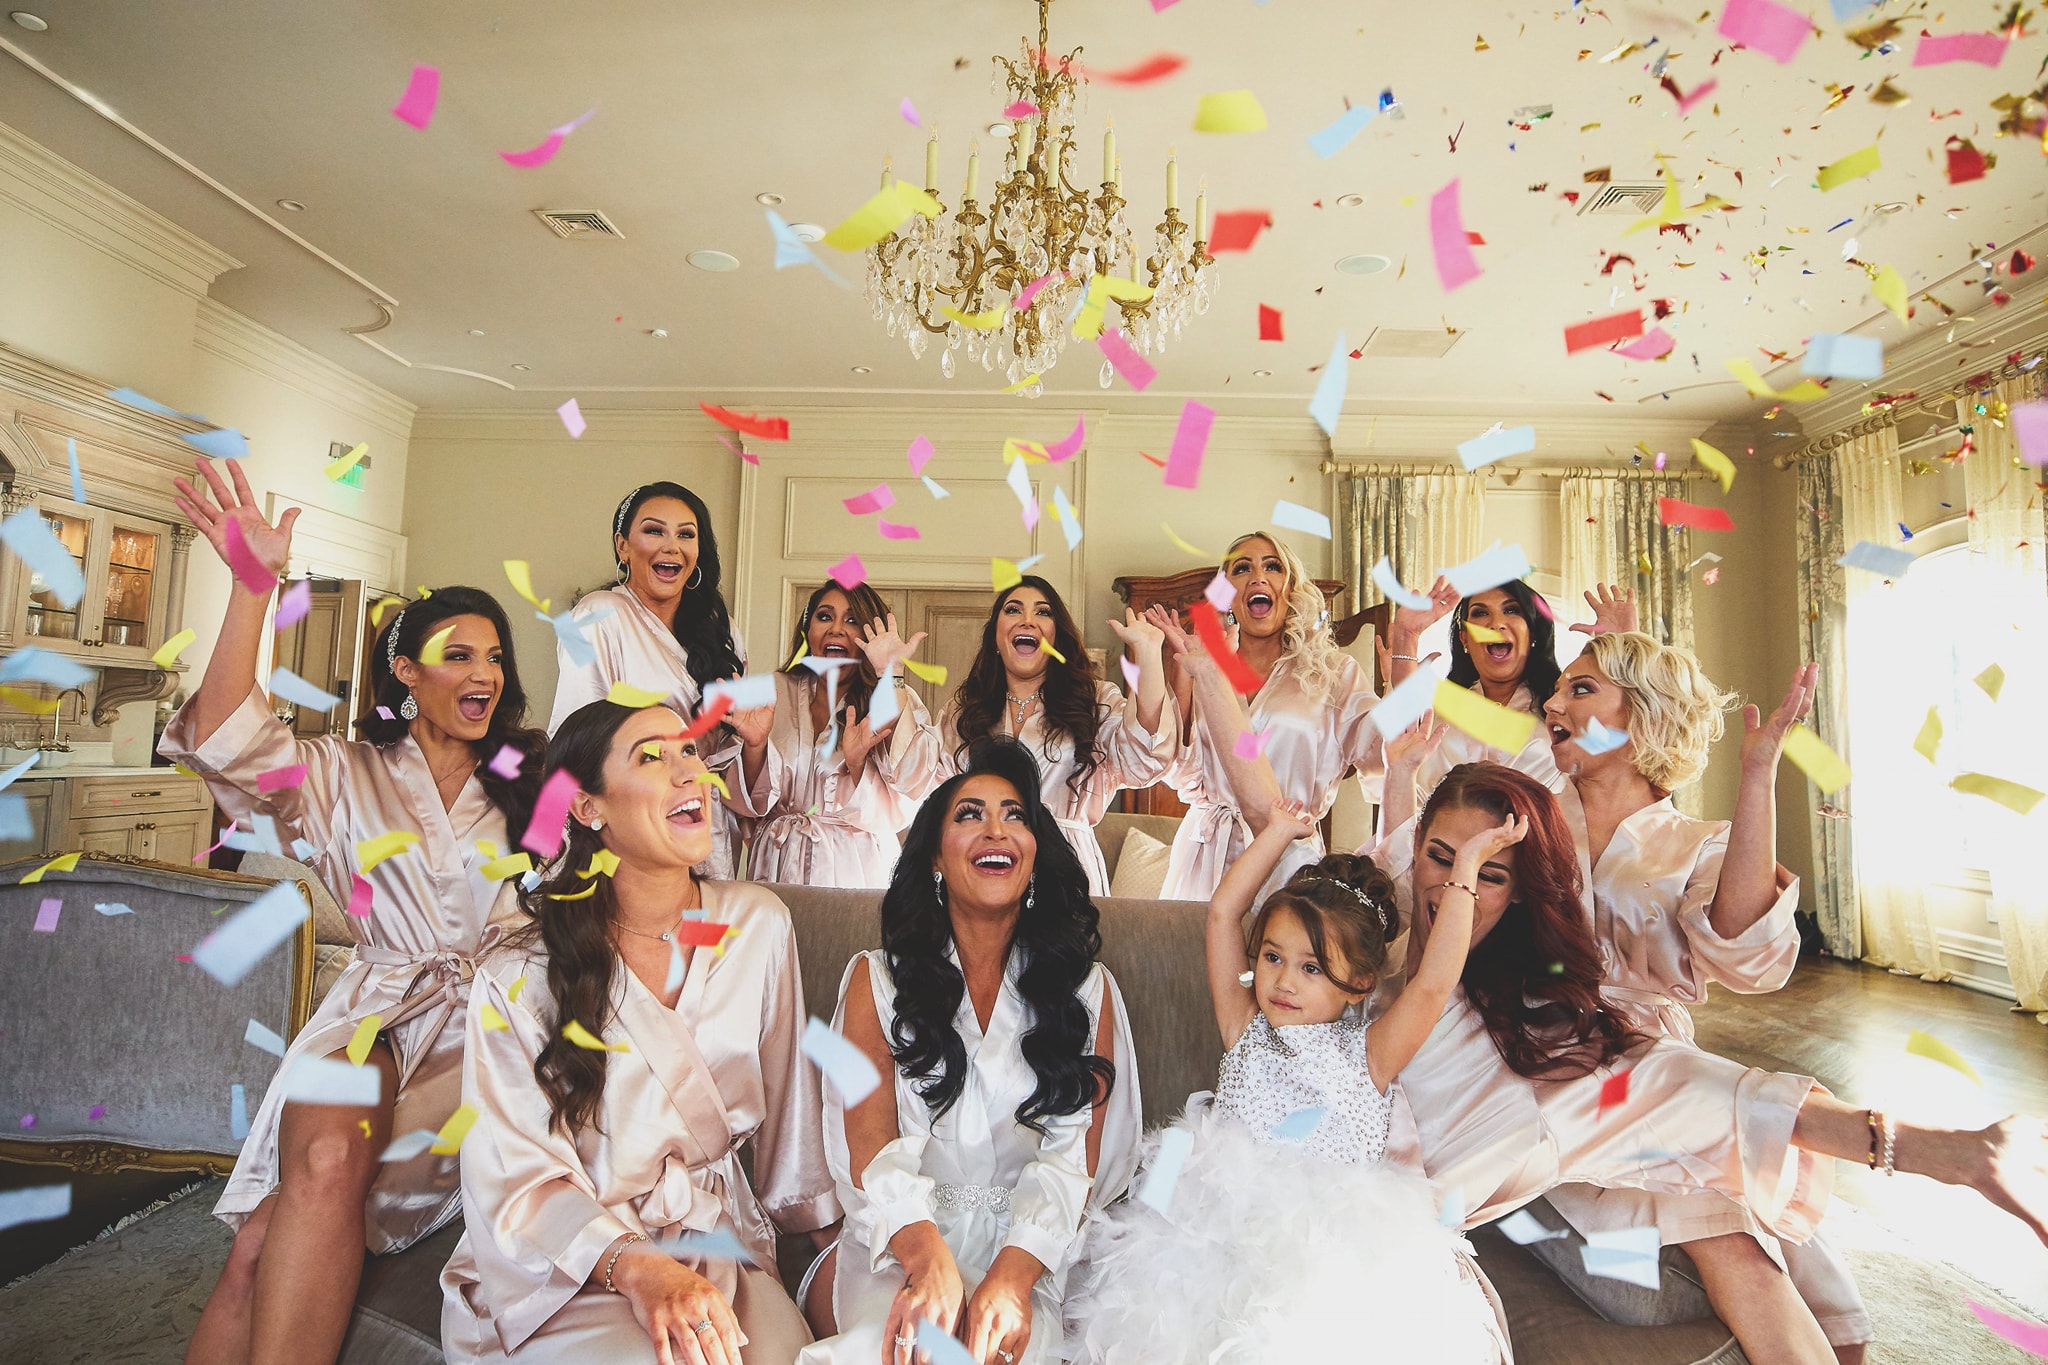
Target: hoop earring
(696, 578)
(409, 709)
(939, 887)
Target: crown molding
(221, 331)
(89, 210)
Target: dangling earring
(696, 578)
(939, 887)
(409, 709)
(1031, 892)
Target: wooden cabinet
(156, 814)
(36, 794)
(125, 610)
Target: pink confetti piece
(98, 1111)
(1160, 5)
(1024, 300)
(749, 456)
(277, 779)
(874, 500)
(506, 764)
(1220, 592)
(1764, 26)
(384, 713)
(204, 853)
(849, 573)
(550, 812)
(1685, 105)
(416, 105)
(1029, 511)
(1985, 49)
(1249, 745)
(46, 915)
(896, 530)
(2030, 429)
(361, 896)
(572, 418)
(545, 152)
(249, 570)
(909, 112)
(1020, 109)
(293, 606)
(1130, 675)
(1454, 262)
(1652, 344)
(919, 455)
(2028, 1336)
(1125, 360)
(1069, 445)
(1190, 442)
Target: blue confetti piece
(1338, 135)
(1298, 1124)
(1885, 560)
(77, 478)
(238, 1113)
(1329, 399)
(1839, 355)
(32, 540)
(223, 443)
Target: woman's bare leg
(1758, 1302)
(223, 1330)
(817, 1304)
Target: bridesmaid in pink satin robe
(308, 1193)
(623, 1047)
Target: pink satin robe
(432, 914)
(812, 823)
(692, 1084)
(1129, 757)
(635, 646)
(1312, 742)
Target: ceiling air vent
(1416, 343)
(578, 223)
(1635, 201)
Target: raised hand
(752, 725)
(858, 738)
(1764, 740)
(1614, 609)
(1472, 855)
(272, 545)
(1407, 749)
(1410, 622)
(1140, 633)
(884, 647)
(1164, 619)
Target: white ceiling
(700, 107)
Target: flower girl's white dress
(1300, 1245)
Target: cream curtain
(2006, 534)
(1894, 860)
(1611, 530)
(1424, 522)
(1822, 640)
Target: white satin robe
(1130, 757)
(813, 824)
(433, 913)
(692, 1084)
(635, 646)
(943, 1171)
(1312, 742)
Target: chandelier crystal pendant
(958, 278)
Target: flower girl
(1288, 1236)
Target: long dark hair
(410, 629)
(1539, 670)
(856, 684)
(1066, 697)
(1056, 935)
(1535, 980)
(576, 933)
(702, 624)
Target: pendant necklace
(1022, 704)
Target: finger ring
(910, 1340)
(703, 1326)
(1007, 1357)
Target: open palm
(272, 545)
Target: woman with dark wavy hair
(308, 1193)
(624, 1045)
(664, 628)
(1033, 680)
(1010, 1102)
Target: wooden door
(952, 619)
(178, 838)
(312, 648)
(112, 834)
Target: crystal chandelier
(960, 278)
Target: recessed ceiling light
(713, 260)
(522, 368)
(1262, 374)
(807, 232)
(1350, 201)
(1895, 206)
(1002, 129)
(291, 205)
(1363, 264)
(476, 331)
(34, 23)
(768, 197)
(862, 369)
(658, 333)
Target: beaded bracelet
(1464, 887)
(617, 1252)
(1884, 1140)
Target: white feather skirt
(1270, 1255)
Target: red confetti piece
(1237, 229)
(749, 424)
(720, 707)
(700, 933)
(1269, 324)
(1209, 626)
(1614, 1090)
(1158, 66)
(1603, 331)
(1965, 162)
(1672, 512)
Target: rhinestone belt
(993, 1197)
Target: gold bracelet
(617, 1252)
(1464, 887)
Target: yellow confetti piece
(1805, 391)
(1484, 635)
(449, 1140)
(433, 652)
(173, 647)
(513, 993)
(1992, 680)
(1890, 290)
(1026, 382)
(1004, 575)
(1028, 451)
(1669, 210)
(364, 1124)
(338, 469)
(2012, 795)
(935, 674)
(603, 863)
(639, 698)
(879, 218)
(1231, 111)
(1854, 166)
(725, 940)
(383, 605)
(364, 1038)
(1643, 564)
(1185, 548)
(520, 573)
(713, 779)
(184, 771)
(1928, 741)
(585, 894)
(980, 322)
(1047, 646)
(1490, 723)
(65, 862)
(1714, 462)
(492, 1021)
(1928, 1046)
(1102, 288)
(803, 647)
(652, 748)
(22, 701)
(370, 852)
(499, 869)
(1814, 758)
(590, 1042)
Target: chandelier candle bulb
(973, 169)
(887, 178)
(1201, 209)
(1172, 180)
(931, 166)
(1109, 152)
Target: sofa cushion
(1549, 1323)
(1140, 867)
(398, 1307)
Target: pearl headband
(1378, 909)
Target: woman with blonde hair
(1310, 715)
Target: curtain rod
(1510, 473)
(1928, 404)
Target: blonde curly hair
(1675, 713)
(1306, 640)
